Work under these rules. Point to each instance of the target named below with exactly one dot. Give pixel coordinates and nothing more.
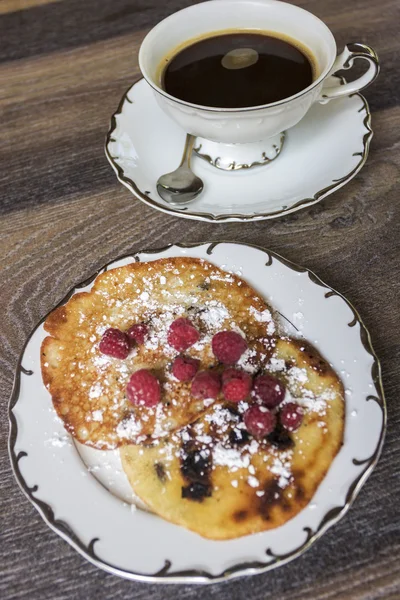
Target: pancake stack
(192, 456)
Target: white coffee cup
(251, 124)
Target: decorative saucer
(319, 155)
(84, 496)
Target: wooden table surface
(64, 66)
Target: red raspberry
(291, 416)
(228, 346)
(138, 333)
(185, 368)
(236, 384)
(143, 388)
(206, 384)
(259, 421)
(268, 390)
(115, 343)
(182, 334)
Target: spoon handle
(187, 151)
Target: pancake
(88, 387)
(214, 478)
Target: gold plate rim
(165, 574)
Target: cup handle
(345, 60)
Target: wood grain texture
(7, 6)
(65, 65)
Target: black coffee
(236, 70)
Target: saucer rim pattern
(165, 574)
(236, 217)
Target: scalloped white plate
(84, 495)
(320, 154)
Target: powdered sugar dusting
(214, 316)
(97, 415)
(264, 317)
(281, 467)
(96, 390)
(297, 375)
(276, 364)
(128, 428)
(220, 436)
(246, 361)
(229, 457)
(59, 441)
(253, 481)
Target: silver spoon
(182, 185)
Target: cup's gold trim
(165, 574)
(221, 218)
(358, 50)
(235, 166)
